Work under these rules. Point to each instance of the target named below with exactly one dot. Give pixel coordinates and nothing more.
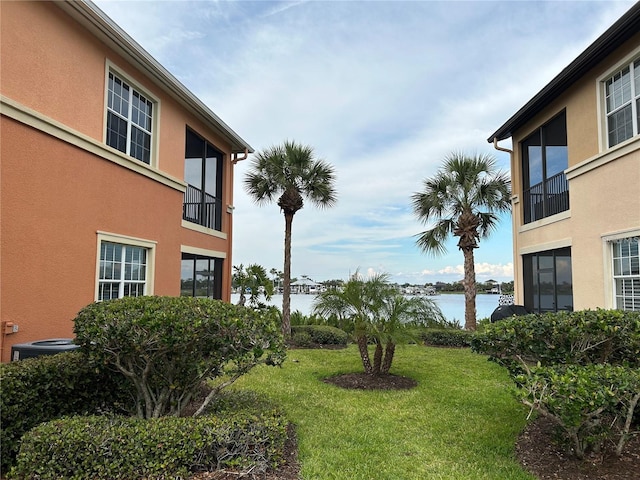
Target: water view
(451, 305)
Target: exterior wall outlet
(9, 327)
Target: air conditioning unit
(49, 346)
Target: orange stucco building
(114, 178)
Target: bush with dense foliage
(580, 338)
(167, 346)
(581, 369)
(447, 337)
(590, 403)
(40, 389)
(112, 447)
(320, 334)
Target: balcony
(546, 198)
(201, 208)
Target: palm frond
(433, 241)
(464, 187)
(290, 167)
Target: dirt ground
(536, 449)
(540, 454)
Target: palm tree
(253, 280)
(378, 314)
(274, 273)
(464, 199)
(288, 173)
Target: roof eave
(99, 24)
(618, 33)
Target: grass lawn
(460, 422)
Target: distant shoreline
(450, 303)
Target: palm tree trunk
(469, 290)
(390, 351)
(286, 293)
(364, 353)
(242, 299)
(377, 359)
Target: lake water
(451, 305)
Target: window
(548, 285)
(129, 119)
(122, 271)
(622, 99)
(544, 160)
(201, 276)
(626, 273)
(203, 174)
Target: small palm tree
(252, 280)
(288, 173)
(274, 273)
(378, 314)
(464, 199)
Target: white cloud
(487, 270)
(452, 270)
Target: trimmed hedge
(590, 403)
(40, 389)
(302, 339)
(320, 334)
(580, 338)
(446, 337)
(167, 346)
(582, 369)
(108, 447)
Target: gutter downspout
(514, 234)
(502, 149)
(235, 158)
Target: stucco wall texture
(56, 197)
(603, 188)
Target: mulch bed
(362, 381)
(539, 453)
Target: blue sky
(383, 90)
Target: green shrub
(167, 346)
(107, 447)
(40, 389)
(446, 337)
(573, 338)
(590, 403)
(323, 334)
(301, 339)
(587, 376)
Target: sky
(383, 91)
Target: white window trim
(603, 137)
(614, 153)
(150, 245)
(27, 116)
(202, 229)
(607, 256)
(202, 252)
(558, 217)
(543, 247)
(110, 67)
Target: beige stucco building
(115, 179)
(575, 171)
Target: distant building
(116, 179)
(575, 171)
